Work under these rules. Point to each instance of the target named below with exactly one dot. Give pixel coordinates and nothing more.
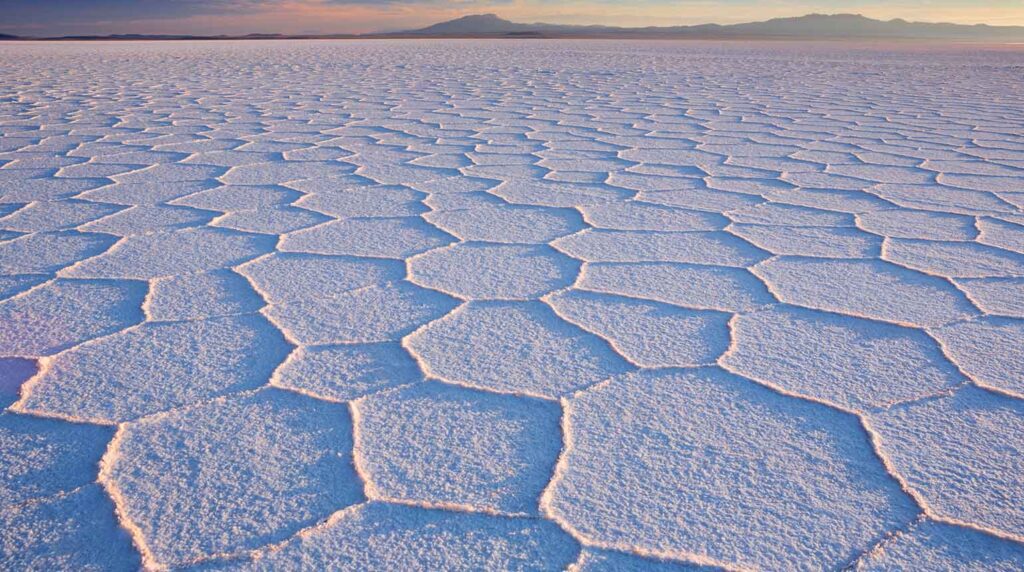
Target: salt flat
(468, 305)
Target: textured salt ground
(544, 305)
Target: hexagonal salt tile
(441, 444)
(686, 461)
(233, 474)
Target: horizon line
(371, 35)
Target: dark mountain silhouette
(855, 25)
(817, 26)
(811, 26)
(476, 24)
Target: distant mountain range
(811, 26)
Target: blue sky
(59, 17)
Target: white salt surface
(519, 305)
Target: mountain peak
(473, 24)
(478, 19)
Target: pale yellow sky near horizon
(358, 16)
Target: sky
(204, 17)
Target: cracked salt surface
(453, 305)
